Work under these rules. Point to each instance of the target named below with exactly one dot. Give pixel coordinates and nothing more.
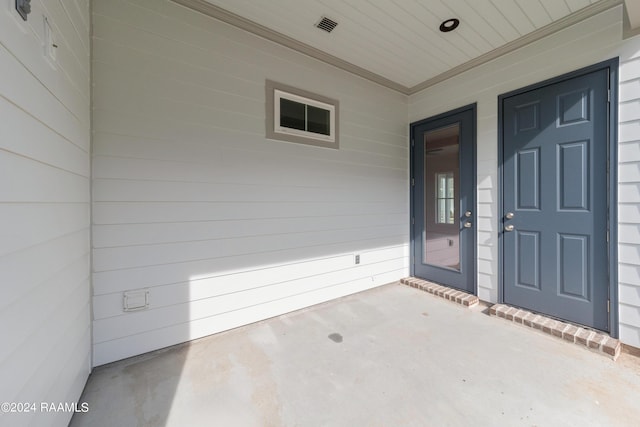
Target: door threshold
(596, 341)
(450, 294)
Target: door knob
(508, 227)
(509, 215)
(467, 224)
(468, 214)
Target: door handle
(468, 224)
(508, 227)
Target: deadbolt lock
(509, 215)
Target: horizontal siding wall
(191, 202)
(629, 193)
(589, 42)
(45, 355)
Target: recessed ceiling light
(449, 25)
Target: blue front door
(554, 221)
(443, 202)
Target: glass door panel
(441, 198)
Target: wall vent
(327, 24)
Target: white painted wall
(596, 39)
(223, 226)
(44, 206)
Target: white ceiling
(397, 42)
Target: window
(296, 115)
(445, 206)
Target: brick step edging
(450, 294)
(593, 340)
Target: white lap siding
(222, 226)
(45, 355)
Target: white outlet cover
(136, 300)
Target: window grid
(445, 198)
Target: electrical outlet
(357, 259)
(135, 300)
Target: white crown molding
(631, 12)
(217, 12)
(238, 21)
(632, 9)
(534, 36)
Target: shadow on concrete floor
(392, 356)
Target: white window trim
(276, 91)
(278, 95)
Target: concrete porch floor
(392, 356)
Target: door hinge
(608, 306)
(607, 236)
(413, 142)
(413, 220)
(608, 95)
(413, 181)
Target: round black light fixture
(449, 25)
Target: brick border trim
(593, 340)
(450, 294)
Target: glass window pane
(292, 114)
(318, 120)
(445, 193)
(442, 222)
(450, 211)
(441, 185)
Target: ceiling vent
(327, 24)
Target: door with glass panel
(443, 199)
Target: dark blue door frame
(466, 117)
(612, 67)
